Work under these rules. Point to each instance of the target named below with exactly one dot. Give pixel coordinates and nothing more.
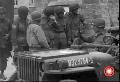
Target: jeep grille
(27, 68)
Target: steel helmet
(59, 9)
(48, 11)
(74, 7)
(23, 10)
(36, 15)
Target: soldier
(5, 41)
(46, 23)
(97, 38)
(99, 27)
(74, 22)
(35, 35)
(20, 25)
(87, 36)
(60, 36)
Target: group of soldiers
(51, 30)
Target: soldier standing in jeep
(35, 35)
(60, 36)
(46, 23)
(74, 22)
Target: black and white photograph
(59, 40)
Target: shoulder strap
(36, 38)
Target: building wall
(28, 3)
(105, 9)
(19, 3)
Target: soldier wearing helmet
(35, 35)
(74, 22)
(60, 40)
(48, 11)
(47, 24)
(97, 38)
(74, 8)
(99, 27)
(5, 40)
(98, 31)
(20, 25)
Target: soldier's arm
(92, 38)
(82, 19)
(53, 25)
(41, 37)
(87, 39)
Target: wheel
(108, 40)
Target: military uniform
(35, 35)
(5, 41)
(99, 25)
(97, 38)
(94, 35)
(100, 31)
(19, 30)
(87, 35)
(74, 23)
(60, 40)
(46, 23)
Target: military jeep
(66, 65)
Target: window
(31, 2)
(15, 2)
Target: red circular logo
(109, 71)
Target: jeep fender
(102, 58)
